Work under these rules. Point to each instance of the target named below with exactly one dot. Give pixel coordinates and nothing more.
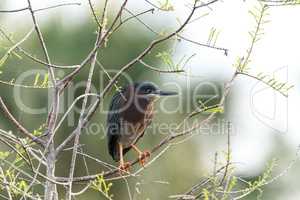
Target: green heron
(130, 113)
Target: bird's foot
(143, 157)
(124, 167)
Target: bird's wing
(113, 125)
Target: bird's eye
(148, 91)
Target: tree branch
(40, 9)
(18, 125)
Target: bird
(131, 111)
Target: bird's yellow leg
(123, 166)
(142, 155)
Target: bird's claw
(143, 157)
(124, 167)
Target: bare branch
(18, 125)
(40, 9)
(14, 11)
(94, 13)
(204, 45)
(50, 189)
(159, 70)
(6, 184)
(102, 40)
(178, 35)
(78, 130)
(206, 4)
(133, 16)
(199, 185)
(28, 55)
(58, 5)
(228, 153)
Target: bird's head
(150, 90)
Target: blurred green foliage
(174, 172)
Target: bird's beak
(165, 93)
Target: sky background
(263, 121)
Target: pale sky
(277, 52)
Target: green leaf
(166, 5)
(36, 79)
(215, 110)
(4, 154)
(4, 59)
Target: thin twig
(263, 81)
(70, 108)
(6, 184)
(228, 153)
(78, 130)
(17, 152)
(159, 70)
(18, 125)
(204, 45)
(14, 11)
(28, 55)
(40, 9)
(207, 4)
(178, 35)
(103, 39)
(58, 5)
(94, 14)
(196, 187)
(133, 16)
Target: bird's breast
(135, 127)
